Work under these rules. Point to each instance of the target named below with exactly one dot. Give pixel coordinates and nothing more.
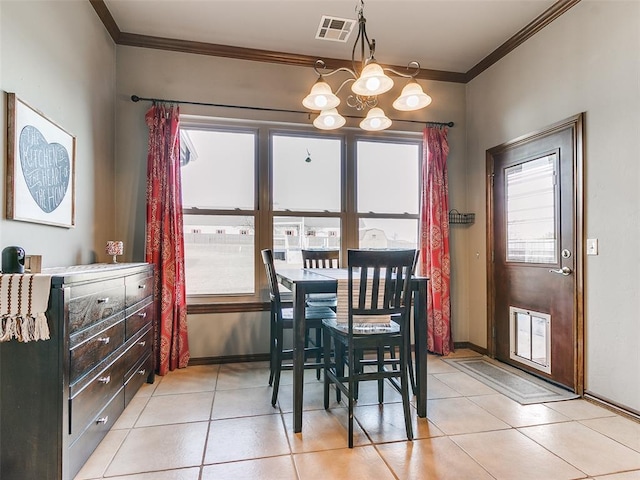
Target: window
(389, 219)
(219, 214)
(246, 189)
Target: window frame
(263, 197)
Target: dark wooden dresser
(60, 397)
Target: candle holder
(115, 248)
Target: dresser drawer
(138, 287)
(89, 353)
(91, 303)
(136, 377)
(140, 347)
(95, 432)
(86, 404)
(139, 319)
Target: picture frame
(40, 167)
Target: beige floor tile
(233, 376)
(437, 365)
(198, 378)
(178, 474)
(251, 401)
(368, 393)
(323, 430)
(385, 423)
(177, 408)
(509, 455)
(434, 458)
(619, 428)
(355, 463)
(147, 389)
(635, 475)
(102, 455)
(586, 449)
(131, 413)
(517, 415)
(459, 415)
(463, 353)
(437, 389)
(580, 409)
(273, 468)
(464, 384)
(312, 397)
(166, 447)
(246, 438)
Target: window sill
(235, 307)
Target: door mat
(520, 386)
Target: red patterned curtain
(434, 239)
(165, 242)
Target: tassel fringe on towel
(23, 303)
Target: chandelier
(369, 79)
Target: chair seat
(322, 300)
(310, 313)
(362, 329)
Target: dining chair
(373, 312)
(281, 319)
(321, 259)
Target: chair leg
(326, 343)
(339, 359)
(412, 375)
(352, 383)
(318, 350)
(272, 345)
(277, 367)
(381, 369)
(404, 390)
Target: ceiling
(445, 35)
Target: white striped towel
(360, 321)
(23, 303)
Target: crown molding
(544, 19)
(268, 56)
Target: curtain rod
(136, 98)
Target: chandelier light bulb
(373, 84)
(321, 97)
(375, 121)
(372, 81)
(329, 120)
(412, 98)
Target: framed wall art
(40, 167)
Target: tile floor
(216, 422)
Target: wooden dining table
(303, 281)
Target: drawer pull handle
(104, 340)
(103, 300)
(141, 286)
(105, 380)
(102, 420)
(142, 314)
(142, 343)
(142, 371)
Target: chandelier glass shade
(368, 79)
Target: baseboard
(258, 357)
(470, 346)
(612, 406)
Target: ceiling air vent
(335, 29)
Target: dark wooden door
(536, 253)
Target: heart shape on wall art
(46, 168)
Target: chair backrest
(379, 282)
(274, 290)
(320, 258)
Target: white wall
(181, 76)
(58, 57)
(586, 61)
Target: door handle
(562, 271)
